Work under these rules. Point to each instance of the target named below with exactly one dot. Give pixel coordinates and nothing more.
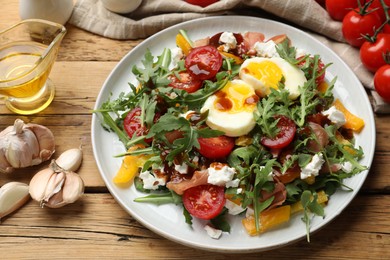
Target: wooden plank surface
(97, 227)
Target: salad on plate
(234, 124)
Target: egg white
(293, 76)
(232, 123)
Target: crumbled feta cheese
(239, 190)
(233, 183)
(347, 167)
(212, 232)
(221, 176)
(313, 167)
(229, 41)
(172, 95)
(182, 169)
(151, 181)
(266, 49)
(177, 55)
(233, 208)
(335, 116)
(249, 212)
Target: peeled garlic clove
(39, 183)
(70, 160)
(13, 195)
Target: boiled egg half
(266, 73)
(231, 108)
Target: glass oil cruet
(28, 50)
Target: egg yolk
(235, 98)
(266, 71)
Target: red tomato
(382, 82)
(203, 62)
(320, 69)
(337, 9)
(287, 129)
(202, 3)
(132, 124)
(186, 82)
(371, 53)
(204, 201)
(376, 4)
(216, 147)
(355, 26)
(386, 29)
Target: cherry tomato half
(203, 62)
(320, 69)
(202, 3)
(337, 9)
(356, 25)
(185, 82)
(216, 147)
(204, 201)
(371, 54)
(132, 124)
(287, 129)
(382, 82)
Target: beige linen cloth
(154, 15)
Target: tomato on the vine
(376, 4)
(372, 53)
(203, 62)
(202, 3)
(185, 82)
(356, 25)
(287, 129)
(337, 9)
(382, 82)
(204, 201)
(216, 147)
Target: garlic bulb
(23, 145)
(55, 187)
(13, 195)
(70, 160)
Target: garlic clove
(54, 185)
(70, 160)
(13, 195)
(39, 183)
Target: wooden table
(97, 227)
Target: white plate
(168, 220)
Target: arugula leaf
(287, 52)
(220, 221)
(310, 205)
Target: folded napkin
(154, 15)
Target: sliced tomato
(287, 129)
(216, 147)
(204, 201)
(132, 124)
(203, 62)
(320, 72)
(185, 82)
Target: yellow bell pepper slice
(353, 122)
(321, 199)
(268, 219)
(183, 44)
(130, 167)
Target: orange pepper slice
(183, 44)
(130, 167)
(237, 59)
(353, 122)
(268, 219)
